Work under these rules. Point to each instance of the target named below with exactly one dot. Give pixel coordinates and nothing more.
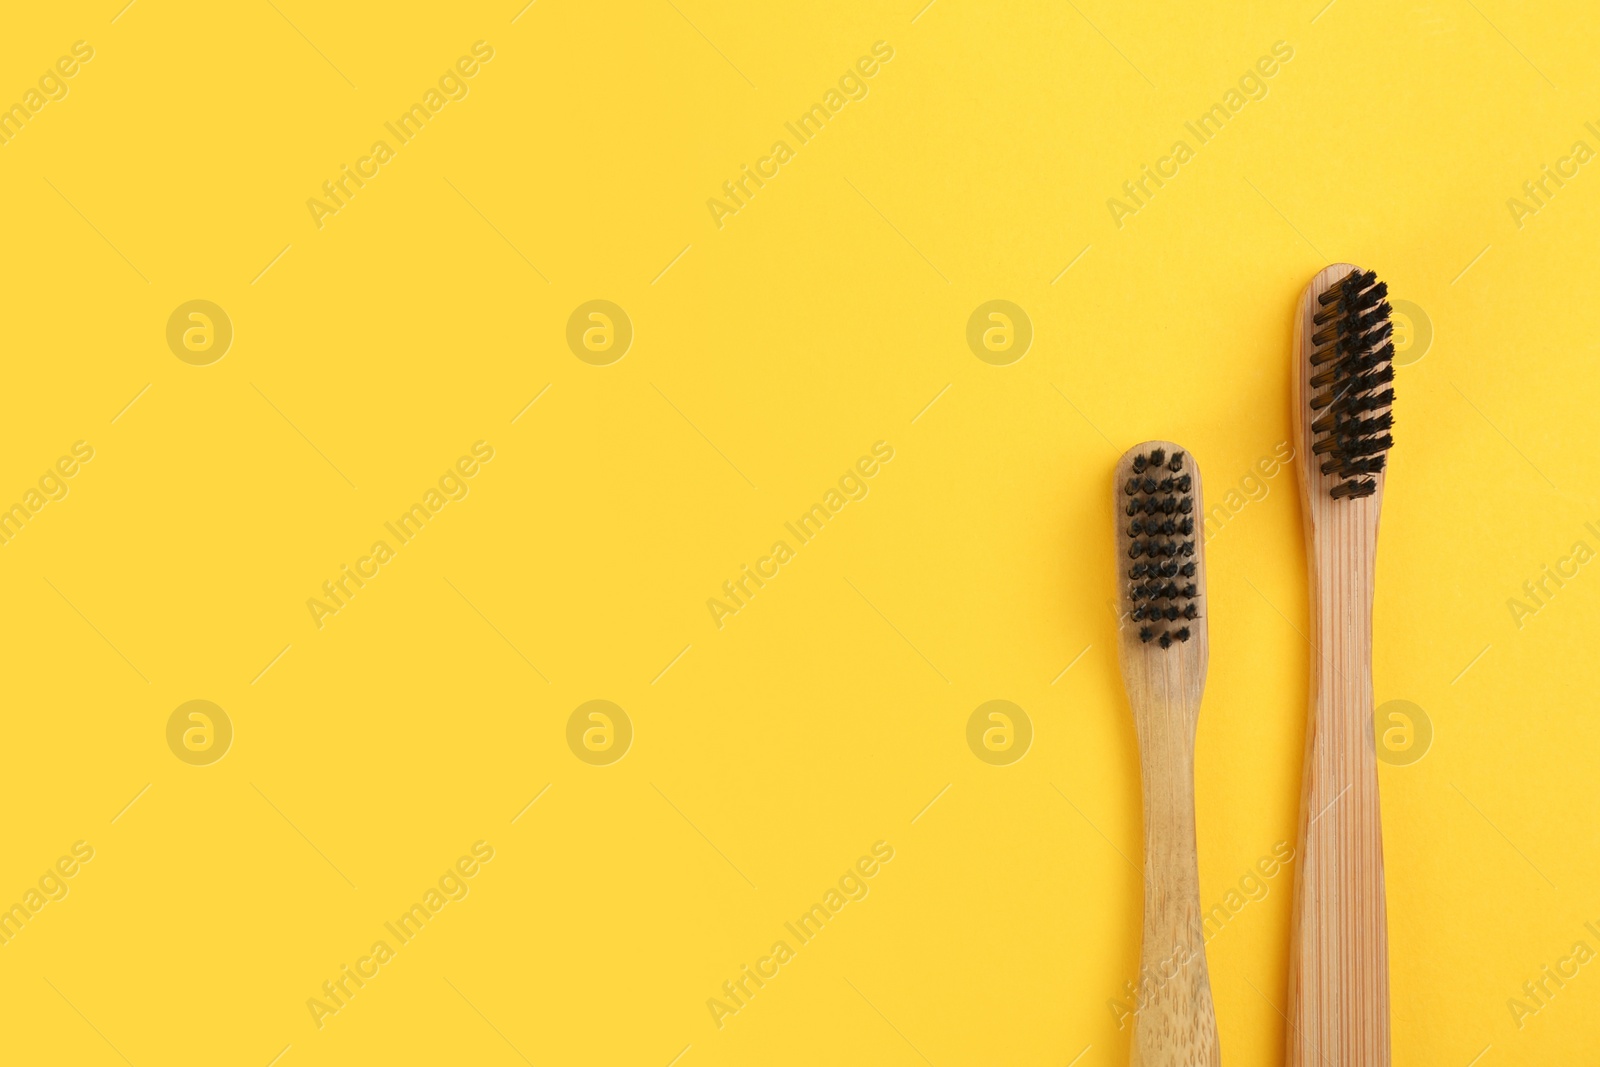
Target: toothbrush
(1162, 648)
(1339, 946)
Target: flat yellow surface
(411, 740)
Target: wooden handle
(1339, 947)
(1175, 1025)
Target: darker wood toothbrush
(1342, 370)
(1163, 647)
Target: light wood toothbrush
(1339, 944)
(1163, 647)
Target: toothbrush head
(1349, 383)
(1159, 534)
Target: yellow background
(768, 356)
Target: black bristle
(1139, 464)
(1366, 446)
(1176, 463)
(1354, 489)
(1166, 640)
(1158, 457)
(1347, 389)
(1183, 634)
(1369, 465)
(1367, 427)
(1145, 634)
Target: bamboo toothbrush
(1339, 945)
(1162, 647)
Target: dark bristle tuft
(1354, 489)
(1370, 465)
(1158, 457)
(1352, 364)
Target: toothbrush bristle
(1354, 365)
(1158, 544)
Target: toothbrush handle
(1339, 952)
(1175, 1025)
